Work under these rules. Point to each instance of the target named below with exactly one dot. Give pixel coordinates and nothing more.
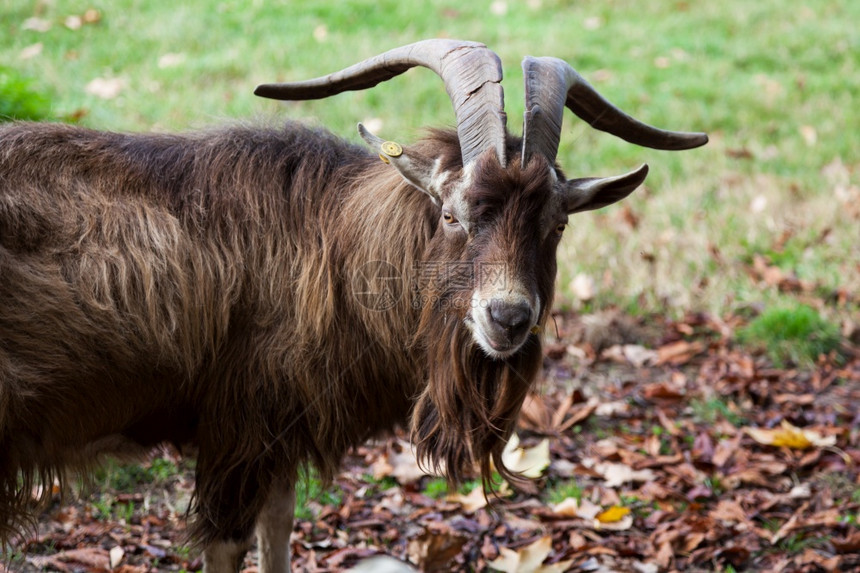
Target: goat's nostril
(510, 316)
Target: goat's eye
(448, 217)
(559, 229)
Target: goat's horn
(472, 74)
(551, 84)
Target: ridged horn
(472, 74)
(551, 84)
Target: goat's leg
(230, 495)
(274, 527)
(224, 556)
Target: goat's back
(148, 282)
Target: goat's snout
(514, 318)
(502, 325)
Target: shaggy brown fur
(197, 289)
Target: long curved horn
(551, 84)
(472, 74)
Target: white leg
(224, 556)
(274, 527)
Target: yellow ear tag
(384, 159)
(535, 329)
(392, 149)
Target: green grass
(791, 335)
(113, 477)
(564, 490)
(383, 483)
(20, 98)
(106, 508)
(774, 85)
(116, 476)
(436, 488)
(712, 410)
(310, 489)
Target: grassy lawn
(774, 86)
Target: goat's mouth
(496, 349)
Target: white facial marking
(438, 177)
(478, 322)
(456, 200)
(501, 333)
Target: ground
(658, 445)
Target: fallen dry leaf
(116, 554)
(534, 414)
(435, 550)
(790, 436)
(105, 88)
(31, 51)
(568, 507)
(73, 22)
(36, 25)
(729, 511)
(789, 525)
(93, 557)
(582, 287)
(530, 462)
(382, 564)
(578, 414)
(677, 353)
(588, 510)
(170, 60)
(615, 518)
(639, 356)
(613, 514)
(320, 33)
(617, 475)
(508, 561)
(477, 499)
(398, 462)
(528, 559)
(662, 391)
(92, 16)
(809, 134)
(849, 544)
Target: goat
(278, 296)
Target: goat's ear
(413, 167)
(596, 192)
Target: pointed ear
(596, 192)
(413, 167)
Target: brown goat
(277, 296)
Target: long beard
(470, 405)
